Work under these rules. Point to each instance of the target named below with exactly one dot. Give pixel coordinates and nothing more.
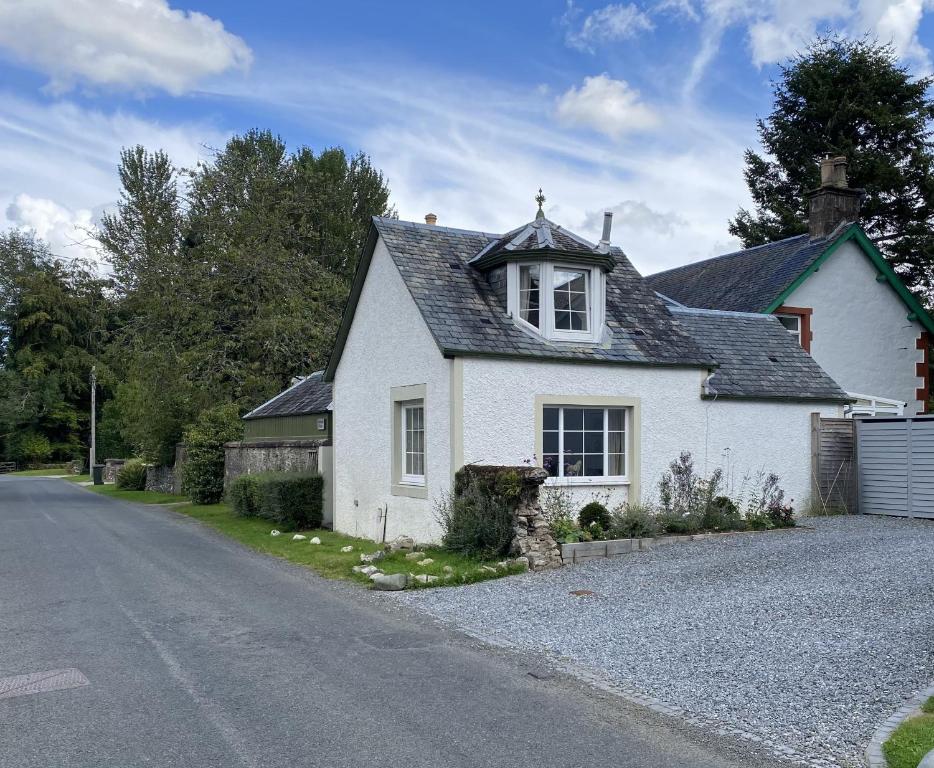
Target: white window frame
(604, 479)
(796, 333)
(402, 483)
(596, 305)
(407, 407)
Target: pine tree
(850, 98)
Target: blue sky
(639, 107)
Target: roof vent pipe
(430, 218)
(604, 244)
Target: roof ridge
(436, 227)
(741, 251)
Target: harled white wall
(861, 333)
(389, 346)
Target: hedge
(132, 476)
(289, 499)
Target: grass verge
(40, 473)
(327, 559)
(140, 497)
(912, 740)
(78, 478)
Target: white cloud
(777, 29)
(58, 162)
(609, 24)
(475, 153)
(611, 107)
(132, 44)
(634, 216)
(67, 232)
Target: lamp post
(93, 418)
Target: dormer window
(530, 293)
(555, 281)
(563, 302)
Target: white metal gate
(895, 456)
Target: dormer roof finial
(540, 199)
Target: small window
(322, 423)
(529, 293)
(792, 324)
(413, 443)
(584, 442)
(570, 300)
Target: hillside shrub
(244, 495)
(291, 499)
(203, 479)
(132, 476)
(594, 516)
(30, 448)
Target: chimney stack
(430, 218)
(604, 245)
(834, 202)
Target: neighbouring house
(835, 294)
(290, 432)
(460, 347)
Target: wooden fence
(834, 482)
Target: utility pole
(93, 418)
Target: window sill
(585, 481)
(411, 490)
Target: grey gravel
(807, 638)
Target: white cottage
(538, 346)
(835, 294)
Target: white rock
(414, 555)
(424, 578)
(448, 569)
(402, 542)
(368, 570)
(314, 540)
(348, 548)
(426, 561)
(274, 532)
(359, 568)
(390, 582)
(299, 537)
(376, 574)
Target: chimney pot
(430, 218)
(834, 202)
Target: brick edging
(873, 753)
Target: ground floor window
(584, 442)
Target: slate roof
(744, 281)
(540, 235)
(310, 395)
(758, 358)
(464, 314)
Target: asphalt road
(201, 653)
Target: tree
(54, 324)
(850, 98)
(231, 277)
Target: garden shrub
(477, 523)
(558, 509)
(679, 524)
(290, 499)
(633, 521)
(30, 448)
(722, 514)
(594, 518)
(244, 495)
(204, 444)
(781, 516)
(132, 476)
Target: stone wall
(518, 487)
(250, 457)
(111, 468)
(162, 479)
(165, 479)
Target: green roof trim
(855, 233)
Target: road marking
(41, 682)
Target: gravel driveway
(805, 638)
